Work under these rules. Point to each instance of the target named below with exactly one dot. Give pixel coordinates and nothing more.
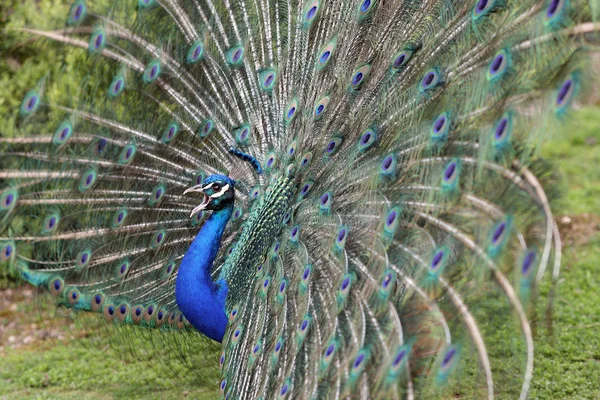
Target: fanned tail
(420, 226)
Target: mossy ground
(60, 361)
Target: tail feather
(419, 229)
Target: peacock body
(368, 214)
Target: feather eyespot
(359, 77)
(119, 218)
(555, 12)
(157, 194)
(236, 334)
(168, 269)
(295, 233)
(117, 86)
(30, 103)
(77, 13)
(304, 325)
(7, 251)
(62, 133)
(122, 311)
(341, 236)
(359, 363)
(271, 159)
(242, 135)
(437, 259)
(565, 94)
(205, 128)
(170, 132)
(235, 56)
(448, 362)
(237, 214)
(320, 107)
(440, 128)
(99, 146)
(499, 65)
(498, 233)
(51, 223)
(284, 390)
(8, 199)
(430, 80)
(97, 40)
(500, 128)
(291, 150)
(278, 346)
(233, 314)
(527, 262)
(73, 296)
(499, 236)
(56, 286)
(306, 159)
(306, 273)
(503, 132)
(391, 221)
(150, 314)
(326, 53)
(87, 180)
(127, 154)
(266, 283)
(333, 146)
(388, 165)
(387, 280)
(311, 11)
(449, 171)
(152, 71)
(291, 111)
(367, 139)
(325, 203)
(365, 7)
(483, 7)
(83, 259)
(122, 269)
(195, 53)
(305, 188)
(267, 79)
(399, 358)
(401, 59)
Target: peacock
(347, 195)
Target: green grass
(84, 364)
(567, 364)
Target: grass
(567, 364)
(46, 355)
(60, 361)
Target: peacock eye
(216, 187)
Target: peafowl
(346, 194)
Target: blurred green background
(44, 355)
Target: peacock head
(217, 191)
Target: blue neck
(201, 300)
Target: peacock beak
(205, 199)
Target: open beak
(205, 199)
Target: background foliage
(44, 355)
